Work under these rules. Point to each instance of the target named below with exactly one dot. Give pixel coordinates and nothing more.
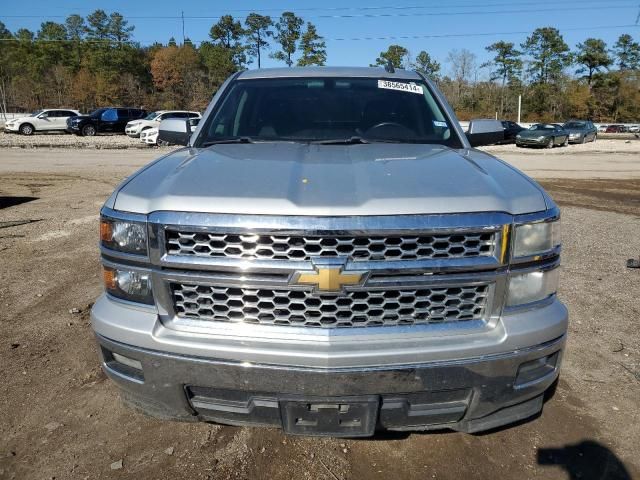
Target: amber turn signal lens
(109, 277)
(106, 232)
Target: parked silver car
(546, 135)
(581, 131)
(331, 255)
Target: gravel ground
(61, 417)
(613, 144)
(64, 140)
(606, 142)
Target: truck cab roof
(306, 72)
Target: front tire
(88, 131)
(566, 142)
(26, 129)
(595, 137)
(550, 143)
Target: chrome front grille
(357, 248)
(357, 308)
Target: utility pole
(182, 15)
(519, 107)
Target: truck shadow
(6, 202)
(587, 460)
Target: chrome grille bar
(357, 248)
(358, 308)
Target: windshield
(152, 115)
(541, 126)
(36, 113)
(577, 125)
(97, 113)
(325, 109)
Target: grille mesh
(350, 309)
(359, 248)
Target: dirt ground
(61, 418)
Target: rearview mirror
(175, 131)
(485, 132)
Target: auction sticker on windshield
(403, 87)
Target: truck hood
(327, 180)
(20, 119)
(81, 117)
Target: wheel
(162, 143)
(583, 139)
(595, 137)
(26, 129)
(551, 142)
(566, 142)
(88, 131)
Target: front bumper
(531, 142)
(467, 395)
(133, 132)
(149, 139)
(455, 385)
(11, 128)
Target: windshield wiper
(228, 140)
(355, 140)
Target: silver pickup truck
(331, 256)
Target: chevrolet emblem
(328, 277)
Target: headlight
(131, 285)
(536, 238)
(531, 287)
(540, 138)
(128, 237)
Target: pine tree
(258, 31)
(627, 53)
(395, 54)
(228, 33)
(426, 65)
(592, 56)
(507, 66)
(549, 54)
(288, 34)
(314, 51)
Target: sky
(357, 31)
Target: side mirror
(175, 131)
(485, 132)
(43, 116)
(193, 124)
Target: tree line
(556, 83)
(91, 61)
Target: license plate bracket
(332, 416)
